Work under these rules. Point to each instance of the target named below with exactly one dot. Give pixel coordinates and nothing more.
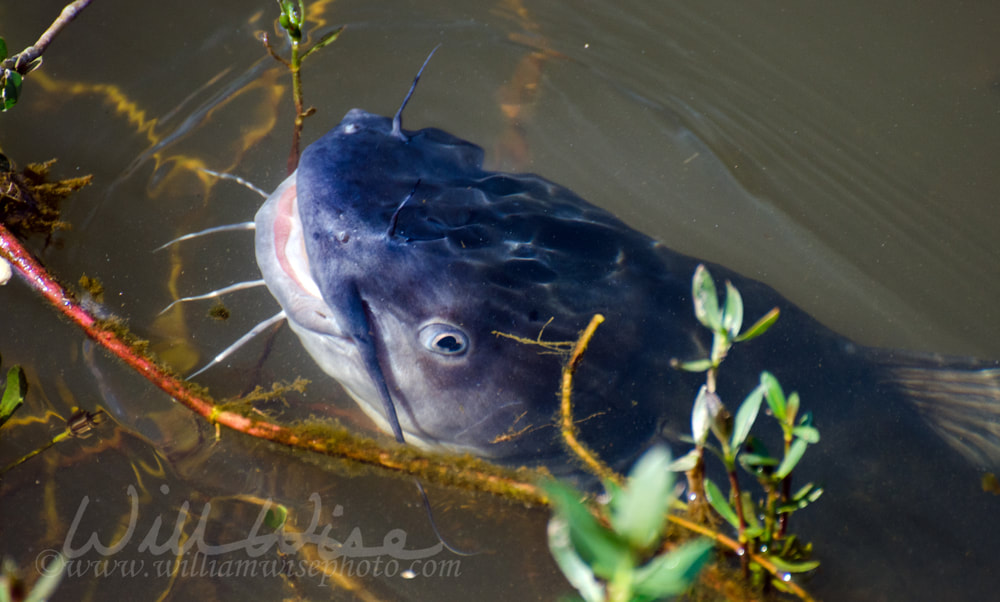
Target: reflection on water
(844, 157)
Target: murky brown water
(845, 155)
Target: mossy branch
(472, 474)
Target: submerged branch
(470, 474)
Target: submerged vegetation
(30, 202)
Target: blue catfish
(424, 283)
(406, 269)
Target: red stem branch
(441, 470)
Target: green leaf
(793, 406)
(760, 326)
(291, 19)
(753, 532)
(11, 89)
(639, 510)
(706, 300)
(751, 459)
(685, 462)
(325, 40)
(754, 527)
(732, 315)
(672, 573)
(802, 498)
(793, 567)
(721, 503)
(3, 49)
(803, 491)
(577, 572)
(701, 418)
(791, 458)
(809, 434)
(746, 416)
(775, 396)
(722, 420)
(814, 494)
(13, 395)
(601, 549)
(694, 365)
(782, 585)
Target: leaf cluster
(760, 523)
(612, 553)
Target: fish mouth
(284, 264)
(289, 244)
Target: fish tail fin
(958, 397)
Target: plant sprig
(291, 19)
(614, 555)
(737, 446)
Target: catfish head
(423, 284)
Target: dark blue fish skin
(409, 230)
(419, 255)
(484, 252)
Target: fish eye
(444, 339)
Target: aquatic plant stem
(747, 544)
(566, 424)
(739, 548)
(468, 475)
(291, 21)
(295, 67)
(22, 61)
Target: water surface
(844, 156)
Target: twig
(22, 61)
(567, 426)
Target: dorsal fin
(397, 119)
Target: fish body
(401, 264)
(436, 293)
